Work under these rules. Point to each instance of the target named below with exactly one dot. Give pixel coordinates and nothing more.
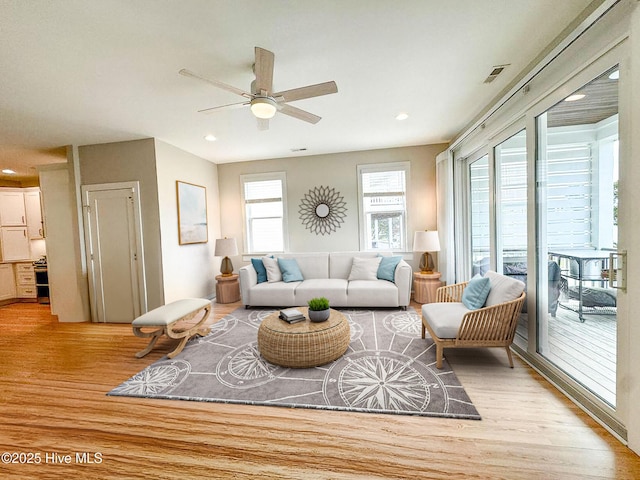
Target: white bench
(163, 319)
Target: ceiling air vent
(497, 70)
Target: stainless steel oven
(42, 281)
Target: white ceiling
(93, 71)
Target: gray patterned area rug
(387, 368)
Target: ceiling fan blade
(299, 114)
(263, 123)
(307, 92)
(216, 83)
(264, 70)
(222, 107)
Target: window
(383, 206)
(264, 201)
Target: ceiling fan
(262, 100)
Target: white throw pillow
(503, 288)
(364, 268)
(273, 270)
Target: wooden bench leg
(154, 338)
(185, 334)
(179, 348)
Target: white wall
(188, 270)
(67, 283)
(338, 171)
(128, 162)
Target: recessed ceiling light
(8, 171)
(210, 138)
(402, 116)
(615, 75)
(574, 97)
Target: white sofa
(327, 275)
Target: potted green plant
(318, 309)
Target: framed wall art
(192, 213)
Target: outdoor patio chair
(489, 323)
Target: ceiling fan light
(263, 107)
(574, 97)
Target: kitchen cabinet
(12, 211)
(33, 212)
(26, 281)
(14, 244)
(7, 282)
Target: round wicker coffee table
(303, 344)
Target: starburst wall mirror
(322, 210)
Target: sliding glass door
(577, 224)
(510, 157)
(480, 214)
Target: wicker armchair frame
(493, 326)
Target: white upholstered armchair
(492, 323)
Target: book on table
(292, 315)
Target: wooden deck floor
(54, 377)
(584, 350)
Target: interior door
(114, 252)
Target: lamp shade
(226, 247)
(426, 241)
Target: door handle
(618, 270)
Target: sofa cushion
(340, 262)
(476, 292)
(372, 293)
(273, 270)
(503, 288)
(312, 265)
(290, 270)
(260, 270)
(333, 289)
(364, 268)
(444, 318)
(274, 294)
(387, 268)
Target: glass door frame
(497, 140)
(537, 253)
(463, 200)
(462, 206)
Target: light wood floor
(53, 380)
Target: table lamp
(426, 241)
(226, 247)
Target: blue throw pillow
(387, 268)
(290, 270)
(260, 270)
(476, 292)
